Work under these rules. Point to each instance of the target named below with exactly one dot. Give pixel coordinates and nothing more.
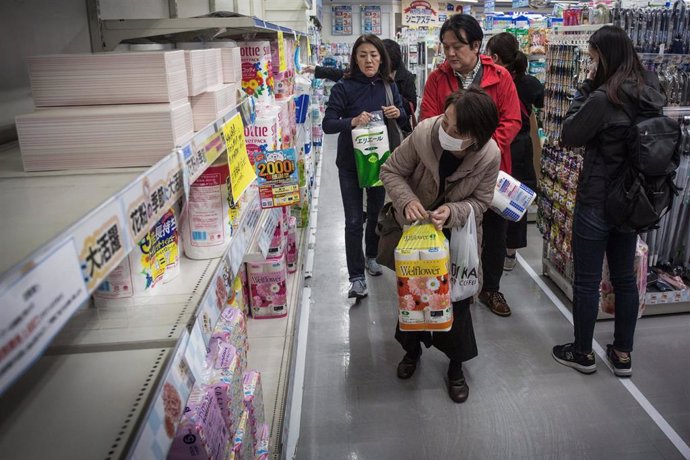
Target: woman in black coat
(405, 80)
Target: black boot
(408, 365)
(457, 385)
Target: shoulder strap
(389, 93)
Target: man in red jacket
(462, 36)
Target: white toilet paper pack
(262, 136)
(511, 197)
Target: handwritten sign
(282, 59)
(241, 170)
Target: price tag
(241, 170)
(282, 59)
(102, 243)
(35, 305)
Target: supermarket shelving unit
(90, 380)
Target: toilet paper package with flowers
(257, 70)
(268, 287)
(421, 266)
(511, 197)
(225, 379)
(371, 150)
(253, 402)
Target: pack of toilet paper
(261, 451)
(206, 228)
(291, 255)
(257, 70)
(262, 136)
(268, 287)
(371, 151)
(231, 329)
(224, 378)
(242, 443)
(202, 432)
(254, 402)
(511, 197)
(421, 266)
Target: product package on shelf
(244, 279)
(268, 288)
(254, 403)
(262, 136)
(607, 300)
(301, 210)
(371, 150)
(231, 329)
(231, 60)
(206, 228)
(421, 266)
(292, 245)
(166, 246)
(202, 432)
(257, 70)
(102, 136)
(204, 70)
(132, 280)
(511, 197)
(224, 378)
(284, 80)
(243, 447)
(261, 451)
(212, 104)
(107, 78)
(279, 241)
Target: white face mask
(450, 143)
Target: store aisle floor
(522, 404)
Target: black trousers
(522, 155)
(494, 229)
(459, 344)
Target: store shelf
(65, 231)
(550, 270)
(115, 31)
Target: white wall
(388, 10)
(29, 28)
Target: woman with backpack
(361, 91)
(617, 87)
(504, 49)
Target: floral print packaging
(257, 70)
(421, 266)
(268, 287)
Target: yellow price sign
(308, 50)
(282, 67)
(241, 170)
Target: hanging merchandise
(206, 228)
(421, 266)
(371, 150)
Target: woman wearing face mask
(360, 92)
(453, 149)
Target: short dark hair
(458, 22)
(394, 53)
(476, 114)
(507, 48)
(384, 67)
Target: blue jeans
(353, 203)
(593, 237)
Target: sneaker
(358, 290)
(509, 263)
(622, 367)
(496, 302)
(373, 268)
(568, 356)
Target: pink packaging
(607, 299)
(202, 432)
(225, 382)
(268, 288)
(279, 240)
(292, 244)
(244, 276)
(262, 136)
(243, 447)
(254, 402)
(261, 452)
(286, 134)
(232, 329)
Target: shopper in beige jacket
(449, 148)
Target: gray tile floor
(522, 404)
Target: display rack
(113, 32)
(556, 259)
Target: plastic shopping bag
(371, 149)
(421, 265)
(464, 260)
(607, 298)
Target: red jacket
(498, 83)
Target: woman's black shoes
(406, 367)
(458, 390)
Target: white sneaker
(358, 290)
(373, 268)
(509, 263)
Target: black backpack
(640, 196)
